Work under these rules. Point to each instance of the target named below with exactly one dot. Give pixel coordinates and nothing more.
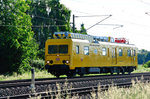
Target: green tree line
(25, 25)
(143, 56)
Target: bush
(41, 54)
(17, 46)
(37, 64)
(147, 64)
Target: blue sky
(129, 13)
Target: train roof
(92, 39)
(104, 43)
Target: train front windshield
(57, 49)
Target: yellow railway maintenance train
(72, 53)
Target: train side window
(120, 52)
(129, 52)
(113, 52)
(77, 49)
(134, 52)
(86, 50)
(104, 51)
(95, 51)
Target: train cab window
(120, 52)
(77, 49)
(129, 52)
(104, 51)
(63, 49)
(86, 50)
(55, 49)
(52, 49)
(134, 52)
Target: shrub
(17, 46)
(37, 64)
(41, 53)
(147, 64)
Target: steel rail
(27, 82)
(83, 90)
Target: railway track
(47, 87)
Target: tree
(143, 56)
(48, 16)
(83, 30)
(147, 58)
(17, 46)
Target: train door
(132, 56)
(114, 56)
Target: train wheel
(71, 74)
(81, 75)
(57, 75)
(118, 71)
(123, 72)
(111, 71)
(129, 72)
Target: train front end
(57, 56)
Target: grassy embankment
(45, 74)
(137, 91)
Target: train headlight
(67, 61)
(47, 62)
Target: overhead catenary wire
(111, 24)
(62, 10)
(116, 25)
(148, 13)
(46, 6)
(144, 2)
(99, 22)
(93, 16)
(49, 18)
(81, 12)
(33, 25)
(44, 18)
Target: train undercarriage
(58, 70)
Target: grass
(45, 74)
(141, 68)
(27, 75)
(137, 91)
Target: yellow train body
(80, 56)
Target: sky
(129, 13)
